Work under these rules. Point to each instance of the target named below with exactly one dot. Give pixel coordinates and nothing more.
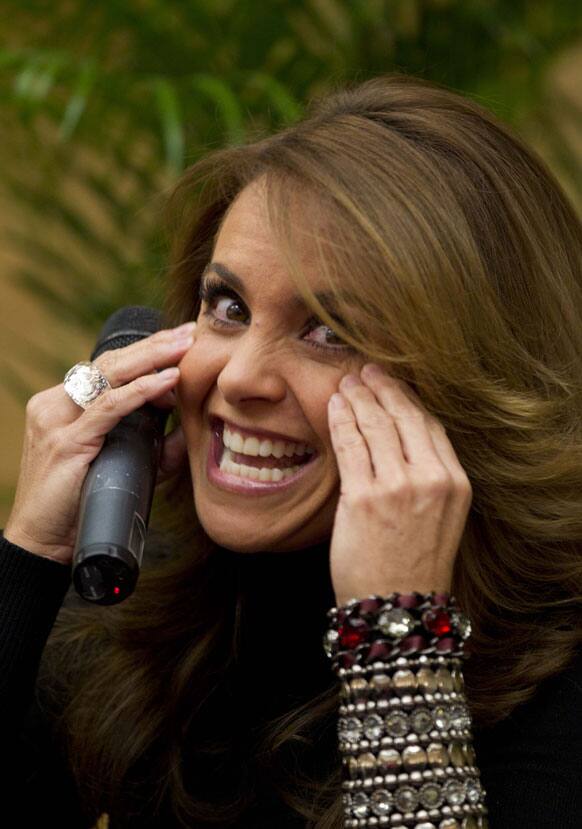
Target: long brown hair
(465, 257)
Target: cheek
(318, 418)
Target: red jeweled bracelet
(378, 628)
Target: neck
(284, 599)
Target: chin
(232, 538)
(236, 547)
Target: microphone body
(117, 493)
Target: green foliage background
(105, 104)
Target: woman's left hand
(404, 496)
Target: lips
(248, 487)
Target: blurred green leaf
(169, 109)
(78, 100)
(220, 93)
(285, 104)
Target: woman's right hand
(61, 439)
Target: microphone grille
(127, 325)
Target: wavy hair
(464, 255)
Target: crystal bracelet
(363, 631)
(405, 728)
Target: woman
(444, 253)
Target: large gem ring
(84, 382)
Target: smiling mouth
(258, 461)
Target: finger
(167, 400)
(373, 371)
(351, 451)
(174, 451)
(162, 349)
(59, 407)
(105, 413)
(411, 422)
(379, 430)
(448, 456)
(441, 445)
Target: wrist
(21, 539)
(406, 587)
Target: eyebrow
(327, 299)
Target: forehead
(245, 227)
(246, 249)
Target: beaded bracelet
(404, 728)
(363, 631)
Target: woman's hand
(61, 440)
(404, 496)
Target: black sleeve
(531, 763)
(38, 787)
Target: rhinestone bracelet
(363, 631)
(404, 728)
(431, 661)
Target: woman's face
(262, 373)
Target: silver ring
(84, 383)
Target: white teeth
(262, 448)
(250, 447)
(265, 447)
(234, 441)
(264, 474)
(278, 449)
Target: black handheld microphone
(117, 494)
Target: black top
(531, 763)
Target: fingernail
(336, 401)
(186, 328)
(371, 370)
(350, 380)
(184, 341)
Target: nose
(253, 372)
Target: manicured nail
(371, 370)
(350, 380)
(336, 401)
(184, 341)
(187, 328)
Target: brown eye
(233, 303)
(211, 291)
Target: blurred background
(103, 106)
